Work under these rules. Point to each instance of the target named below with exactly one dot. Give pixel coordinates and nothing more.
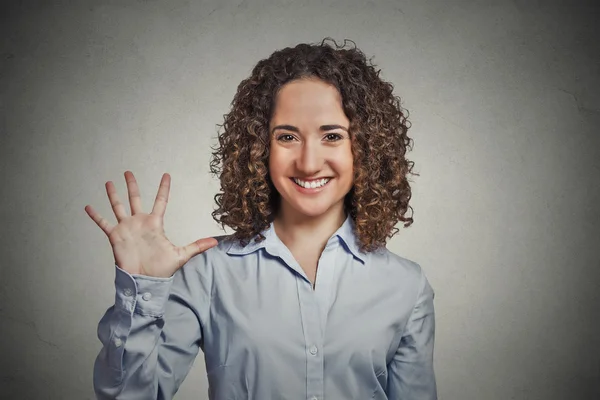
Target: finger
(97, 218)
(197, 247)
(162, 197)
(115, 202)
(135, 201)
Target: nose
(310, 159)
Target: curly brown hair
(378, 129)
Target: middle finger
(135, 200)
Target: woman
(303, 301)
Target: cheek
(277, 164)
(345, 164)
(272, 158)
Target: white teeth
(311, 185)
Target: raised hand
(138, 241)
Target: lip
(311, 190)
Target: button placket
(313, 336)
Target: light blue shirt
(365, 332)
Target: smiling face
(310, 142)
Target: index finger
(162, 197)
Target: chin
(312, 210)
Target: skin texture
(308, 104)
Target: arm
(150, 336)
(410, 373)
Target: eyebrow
(322, 128)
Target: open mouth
(315, 184)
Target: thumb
(199, 246)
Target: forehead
(308, 99)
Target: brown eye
(280, 138)
(333, 137)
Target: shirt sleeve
(150, 336)
(410, 373)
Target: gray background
(505, 107)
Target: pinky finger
(99, 220)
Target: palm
(138, 241)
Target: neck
(307, 233)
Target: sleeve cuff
(145, 295)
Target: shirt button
(313, 350)
(127, 292)
(118, 342)
(147, 296)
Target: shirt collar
(345, 234)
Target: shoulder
(400, 270)
(201, 263)
(395, 264)
(219, 251)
